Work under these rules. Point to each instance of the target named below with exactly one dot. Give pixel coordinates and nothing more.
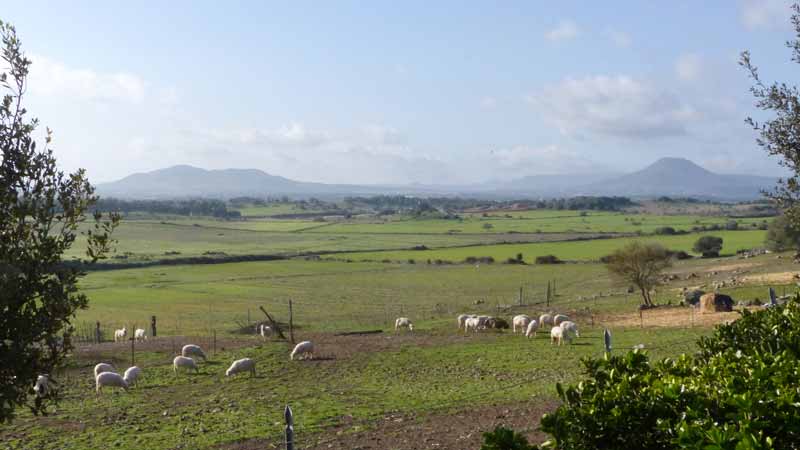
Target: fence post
(214, 351)
(248, 317)
(641, 319)
(133, 343)
(153, 326)
(607, 340)
(97, 335)
(291, 325)
(520, 296)
(287, 415)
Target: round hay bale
(713, 302)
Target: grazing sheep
(498, 324)
(570, 328)
(102, 367)
(302, 349)
(119, 335)
(139, 335)
(545, 319)
(532, 326)
(520, 321)
(472, 323)
(185, 363)
(110, 379)
(482, 322)
(131, 375)
(242, 365)
(265, 331)
(556, 335)
(403, 322)
(193, 350)
(42, 386)
(463, 318)
(559, 318)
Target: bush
(504, 439)
(738, 392)
(708, 246)
(665, 231)
(781, 236)
(731, 225)
(547, 259)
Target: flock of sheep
(562, 329)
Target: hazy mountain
(681, 177)
(667, 176)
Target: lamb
(545, 319)
(185, 363)
(102, 367)
(403, 322)
(556, 335)
(42, 386)
(242, 365)
(110, 379)
(532, 326)
(520, 321)
(559, 318)
(131, 375)
(193, 350)
(139, 335)
(570, 328)
(302, 349)
(119, 335)
(472, 323)
(265, 331)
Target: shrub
(411, 261)
(504, 439)
(665, 231)
(731, 225)
(782, 236)
(708, 246)
(738, 392)
(547, 259)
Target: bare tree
(640, 264)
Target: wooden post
(289, 431)
(214, 351)
(248, 317)
(641, 319)
(97, 334)
(607, 340)
(554, 288)
(547, 294)
(520, 296)
(153, 326)
(592, 320)
(133, 344)
(291, 324)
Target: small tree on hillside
(780, 136)
(782, 236)
(41, 209)
(640, 264)
(708, 246)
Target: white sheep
(131, 375)
(242, 365)
(193, 350)
(184, 362)
(472, 323)
(556, 335)
(111, 379)
(545, 319)
(102, 367)
(403, 322)
(42, 386)
(520, 321)
(558, 318)
(119, 335)
(265, 331)
(570, 327)
(482, 322)
(302, 349)
(140, 335)
(531, 330)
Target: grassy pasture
(586, 250)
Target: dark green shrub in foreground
(741, 391)
(504, 439)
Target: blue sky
(397, 92)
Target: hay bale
(714, 302)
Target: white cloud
(52, 78)
(488, 102)
(550, 159)
(620, 38)
(565, 30)
(618, 106)
(766, 14)
(688, 67)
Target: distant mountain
(680, 177)
(674, 177)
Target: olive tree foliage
(780, 135)
(641, 265)
(782, 235)
(41, 210)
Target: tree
(41, 210)
(708, 246)
(782, 236)
(780, 136)
(640, 264)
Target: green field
(587, 250)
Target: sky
(444, 92)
